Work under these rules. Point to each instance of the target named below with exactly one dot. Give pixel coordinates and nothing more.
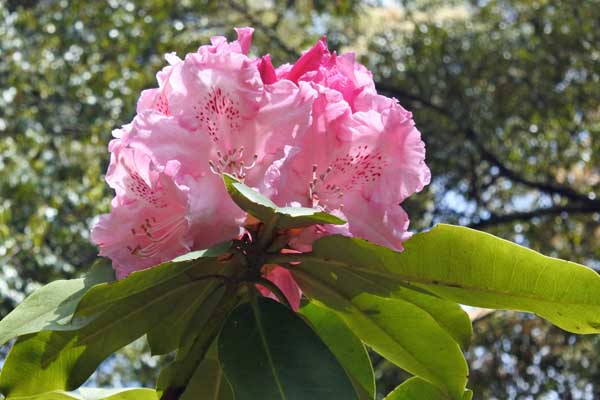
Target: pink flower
(361, 157)
(315, 133)
(148, 223)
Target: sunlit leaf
(476, 268)
(52, 306)
(265, 210)
(419, 389)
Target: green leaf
(398, 330)
(417, 388)
(52, 306)
(130, 308)
(476, 268)
(169, 274)
(208, 383)
(197, 340)
(95, 394)
(168, 335)
(170, 374)
(448, 314)
(265, 210)
(118, 394)
(343, 343)
(406, 326)
(268, 352)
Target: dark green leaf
(208, 383)
(265, 210)
(180, 327)
(343, 343)
(268, 352)
(52, 306)
(170, 274)
(197, 339)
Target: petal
(283, 120)
(217, 92)
(164, 139)
(148, 223)
(311, 60)
(284, 280)
(383, 224)
(244, 38)
(214, 218)
(137, 238)
(267, 72)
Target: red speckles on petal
(162, 104)
(218, 114)
(348, 172)
(141, 190)
(152, 234)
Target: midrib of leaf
(403, 278)
(364, 278)
(326, 287)
(263, 338)
(218, 383)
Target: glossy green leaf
(268, 352)
(265, 210)
(419, 389)
(95, 394)
(52, 306)
(345, 345)
(208, 383)
(398, 330)
(131, 307)
(476, 268)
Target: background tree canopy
(504, 92)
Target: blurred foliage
(505, 93)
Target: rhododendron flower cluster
(314, 133)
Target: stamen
(213, 168)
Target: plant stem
(281, 259)
(267, 231)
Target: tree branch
(581, 208)
(487, 155)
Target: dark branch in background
(546, 187)
(267, 30)
(401, 94)
(540, 212)
(580, 202)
